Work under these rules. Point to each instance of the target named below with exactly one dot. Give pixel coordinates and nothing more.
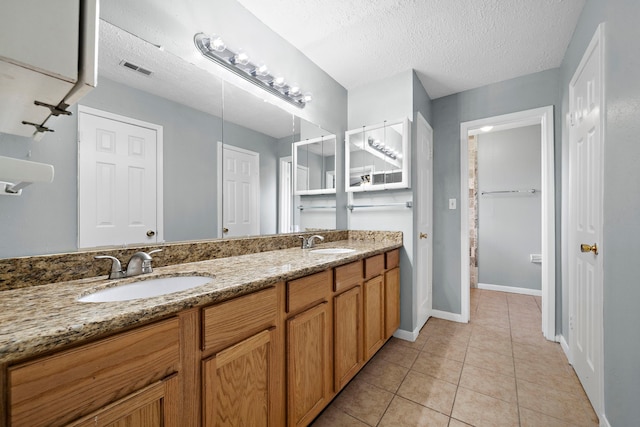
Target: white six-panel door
(424, 211)
(241, 192)
(585, 243)
(117, 176)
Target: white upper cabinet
(377, 157)
(48, 55)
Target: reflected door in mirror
(241, 192)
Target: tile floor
(497, 370)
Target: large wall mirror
(208, 124)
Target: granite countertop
(42, 318)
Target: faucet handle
(116, 267)
(304, 242)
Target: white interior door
(241, 192)
(117, 182)
(424, 245)
(585, 262)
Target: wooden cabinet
(347, 336)
(66, 386)
(391, 301)
(239, 382)
(308, 364)
(374, 332)
(153, 406)
(269, 358)
(240, 379)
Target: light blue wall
(523, 93)
(396, 97)
(621, 196)
(510, 225)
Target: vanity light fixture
(214, 49)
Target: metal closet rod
(315, 207)
(408, 204)
(531, 190)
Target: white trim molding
(544, 117)
(454, 317)
(510, 289)
(407, 335)
(565, 347)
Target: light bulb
(242, 58)
(308, 97)
(278, 81)
(262, 70)
(294, 90)
(217, 44)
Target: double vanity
(266, 338)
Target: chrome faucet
(308, 243)
(139, 263)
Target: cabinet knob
(151, 233)
(225, 230)
(423, 235)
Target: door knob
(151, 233)
(589, 248)
(225, 230)
(423, 235)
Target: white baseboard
(445, 315)
(604, 422)
(406, 335)
(510, 289)
(565, 347)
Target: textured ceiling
(453, 45)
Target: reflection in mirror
(256, 134)
(375, 157)
(315, 165)
(315, 208)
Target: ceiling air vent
(135, 67)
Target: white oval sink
(146, 289)
(332, 251)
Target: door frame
(285, 209)
(544, 117)
(597, 42)
(159, 162)
(419, 322)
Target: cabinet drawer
(57, 389)
(373, 266)
(307, 290)
(347, 276)
(232, 321)
(392, 258)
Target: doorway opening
(544, 118)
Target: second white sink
(332, 251)
(146, 289)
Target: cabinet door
(392, 301)
(347, 336)
(153, 406)
(238, 383)
(373, 316)
(309, 364)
